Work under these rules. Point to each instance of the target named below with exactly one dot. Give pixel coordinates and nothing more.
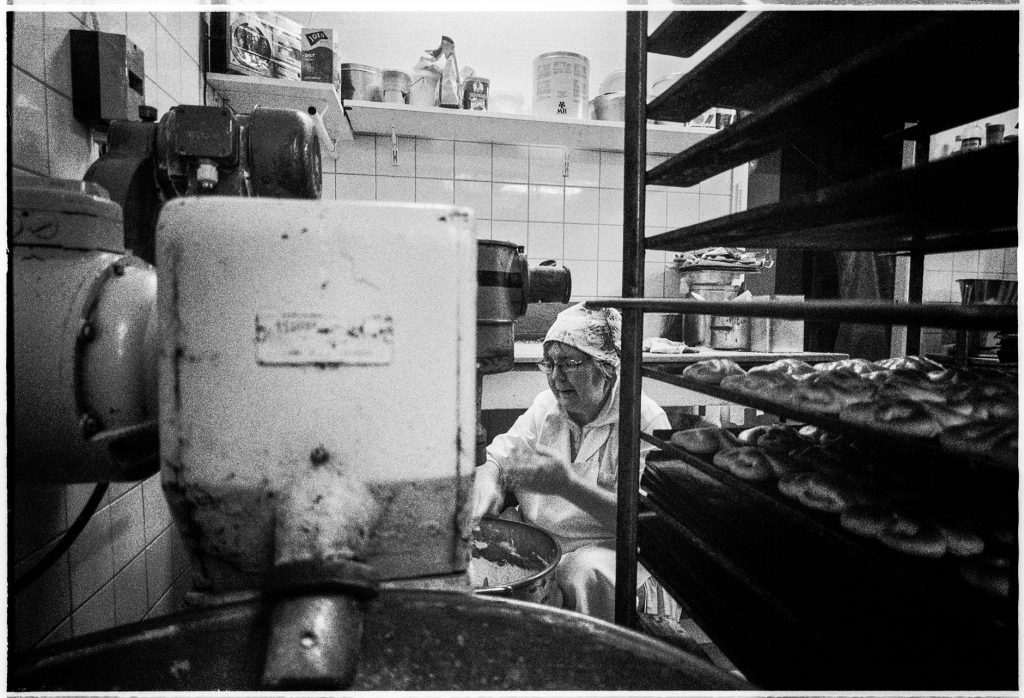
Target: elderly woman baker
(560, 458)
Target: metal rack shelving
(796, 76)
(859, 77)
(964, 202)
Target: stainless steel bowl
(523, 547)
(609, 107)
(361, 82)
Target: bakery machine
(308, 374)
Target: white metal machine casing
(317, 383)
(84, 325)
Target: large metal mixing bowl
(413, 640)
(521, 546)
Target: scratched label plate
(296, 338)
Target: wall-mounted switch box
(108, 77)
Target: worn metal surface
(388, 444)
(522, 545)
(84, 338)
(413, 640)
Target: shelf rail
(968, 317)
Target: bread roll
(779, 438)
(914, 534)
(990, 574)
(786, 367)
(819, 491)
(704, 441)
(961, 538)
(745, 462)
(712, 371)
(866, 520)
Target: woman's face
(580, 391)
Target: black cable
(64, 543)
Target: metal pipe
(876, 313)
(635, 157)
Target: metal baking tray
(831, 422)
(798, 603)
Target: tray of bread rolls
(912, 402)
(876, 562)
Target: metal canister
(474, 94)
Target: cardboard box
(320, 61)
(263, 44)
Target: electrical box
(108, 77)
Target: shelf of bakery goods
(855, 618)
(964, 202)
(893, 433)
(385, 119)
(854, 83)
(682, 34)
(868, 312)
(243, 93)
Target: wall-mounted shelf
(491, 127)
(243, 93)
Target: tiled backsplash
(523, 194)
(128, 563)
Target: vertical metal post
(915, 291)
(634, 175)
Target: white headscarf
(597, 333)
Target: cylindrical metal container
(502, 275)
(730, 332)
(361, 82)
(986, 292)
(709, 286)
(413, 640)
(561, 84)
(396, 86)
(609, 107)
(525, 557)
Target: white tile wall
(522, 193)
(97, 583)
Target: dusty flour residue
(486, 573)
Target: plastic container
(561, 84)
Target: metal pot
(986, 292)
(362, 82)
(519, 546)
(413, 640)
(609, 107)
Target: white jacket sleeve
(524, 432)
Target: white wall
(500, 46)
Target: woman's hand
(541, 469)
(488, 491)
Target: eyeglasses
(568, 366)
